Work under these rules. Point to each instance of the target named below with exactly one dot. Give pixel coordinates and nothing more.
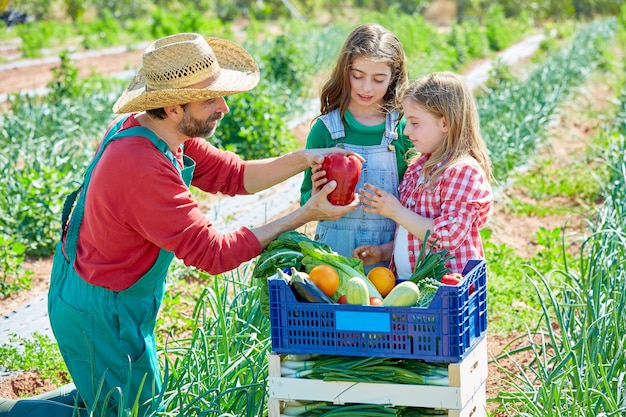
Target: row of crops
(93, 24)
(578, 348)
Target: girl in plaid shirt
(446, 188)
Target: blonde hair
(371, 41)
(445, 94)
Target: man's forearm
(263, 174)
(270, 231)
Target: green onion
(370, 369)
(430, 264)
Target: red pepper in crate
(451, 279)
(346, 170)
(455, 279)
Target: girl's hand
(318, 178)
(376, 200)
(369, 254)
(373, 254)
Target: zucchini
(405, 294)
(357, 292)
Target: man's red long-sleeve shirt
(137, 203)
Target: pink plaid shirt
(459, 203)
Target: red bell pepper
(455, 279)
(451, 279)
(346, 170)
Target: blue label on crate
(362, 321)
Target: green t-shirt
(356, 134)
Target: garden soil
(568, 140)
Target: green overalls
(107, 337)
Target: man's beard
(195, 128)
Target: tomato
(346, 170)
(342, 300)
(375, 301)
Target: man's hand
(318, 205)
(316, 155)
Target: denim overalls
(107, 337)
(380, 169)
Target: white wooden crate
(475, 407)
(466, 378)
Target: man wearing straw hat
(134, 212)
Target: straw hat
(173, 64)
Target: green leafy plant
(255, 128)
(512, 300)
(64, 84)
(40, 354)
(13, 278)
(499, 31)
(221, 368)
(283, 63)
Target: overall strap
(391, 132)
(333, 123)
(71, 225)
(391, 123)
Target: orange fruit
(383, 279)
(326, 278)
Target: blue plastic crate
(444, 332)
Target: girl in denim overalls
(357, 113)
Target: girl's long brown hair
(374, 42)
(445, 94)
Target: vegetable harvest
(295, 249)
(316, 253)
(315, 409)
(295, 252)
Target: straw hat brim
(239, 73)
